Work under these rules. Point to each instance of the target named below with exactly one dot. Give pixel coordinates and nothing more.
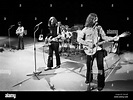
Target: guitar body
(89, 51)
(50, 39)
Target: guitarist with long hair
(90, 35)
(53, 43)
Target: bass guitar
(50, 39)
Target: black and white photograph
(66, 46)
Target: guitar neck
(100, 43)
(122, 35)
(53, 39)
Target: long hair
(91, 20)
(54, 21)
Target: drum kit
(70, 40)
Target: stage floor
(15, 65)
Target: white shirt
(20, 31)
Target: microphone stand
(35, 73)
(9, 40)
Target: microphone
(12, 25)
(39, 24)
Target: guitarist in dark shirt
(52, 40)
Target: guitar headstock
(124, 34)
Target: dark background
(110, 17)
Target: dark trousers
(99, 55)
(53, 47)
(20, 42)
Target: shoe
(49, 68)
(91, 83)
(87, 82)
(18, 48)
(57, 67)
(99, 88)
(91, 86)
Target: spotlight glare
(81, 5)
(66, 18)
(51, 5)
(127, 18)
(127, 45)
(112, 5)
(4, 18)
(35, 18)
(20, 5)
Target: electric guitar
(50, 39)
(91, 51)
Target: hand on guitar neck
(124, 34)
(116, 38)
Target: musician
(20, 33)
(89, 36)
(52, 38)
